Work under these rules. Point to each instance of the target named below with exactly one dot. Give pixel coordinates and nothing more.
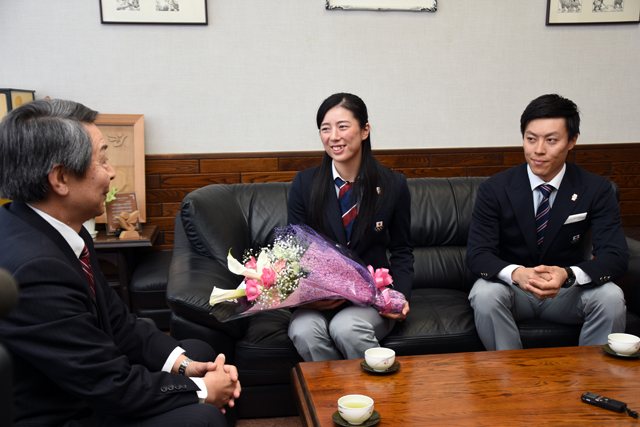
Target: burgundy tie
(349, 210)
(86, 267)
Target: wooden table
(536, 387)
(123, 250)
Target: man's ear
(59, 180)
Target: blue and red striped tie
(348, 208)
(86, 267)
(542, 214)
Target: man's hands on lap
(543, 281)
(222, 383)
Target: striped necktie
(542, 214)
(86, 267)
(349, 210)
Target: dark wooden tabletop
(500, 388)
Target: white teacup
(380, 358)
(355, 408)
(624, 344)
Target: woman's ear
(365, 132)
(59, 180)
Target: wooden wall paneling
(296, 164)
(171, 177)
(255, 164)
(467, 159)
(267, 177)
(198, 180)
(161, 166)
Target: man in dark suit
(80, 358)
(526, 238)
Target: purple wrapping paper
(332, 275)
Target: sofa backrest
(221, 217)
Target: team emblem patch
(575, 239)
(379, 226)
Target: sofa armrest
(192, 277)
(630, 282)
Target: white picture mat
(631, 13)
(418, 5)
(191, 12)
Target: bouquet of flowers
(303, 267)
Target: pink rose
(253, 289)
(268, 277)
(251, 264)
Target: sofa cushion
(266, 340)
(430, 326)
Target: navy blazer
(394, 233)
(73, 353)
(503, 229)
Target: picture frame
(182, 12)
(391, 5)
(124, 135)
(571, 12)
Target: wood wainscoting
(170, 177)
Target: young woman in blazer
(336, 329)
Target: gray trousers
(497, 307)
(341, 333)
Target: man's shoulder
(506, 177)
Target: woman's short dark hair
(37, 136)
(552, 106)
(370, 175)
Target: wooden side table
(124, 250)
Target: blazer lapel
(334, 217)
(562, 207)
(43, 226)
(521, 198)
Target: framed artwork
(412, 5)
(565, 12)
(13, 98)
(124, 134)
(192, 12)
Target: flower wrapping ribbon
(382, 279)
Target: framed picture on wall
(124, 135)
(412, 5)
(192, 12)
(565, 12)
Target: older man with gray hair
(80, 358)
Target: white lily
(234, 266)
(221, 295)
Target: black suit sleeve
(483, 244)
(54, 330)
(610, 252)
(400, 246)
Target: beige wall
(253, 78)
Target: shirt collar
(70, 236)
(335, 172)
(535, 181)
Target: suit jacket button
(163, 389)
(170, 388)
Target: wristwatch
(571, 278)
(183, 366)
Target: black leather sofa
(215, 218)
